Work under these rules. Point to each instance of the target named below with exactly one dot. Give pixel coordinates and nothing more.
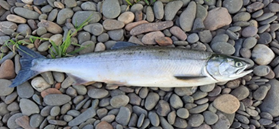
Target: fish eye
(238, 64)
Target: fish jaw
(232, 77)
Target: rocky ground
(244, 28)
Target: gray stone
(26, 13)
(265, 38)
(116, 34)
(25, 90)
(165, 124)
(5, 89)
(158, 9)
(171, 9)
(242, 17)
(261, 70)
(23, 29)
(3, 109)
(175, 101)
(89, 47)
(3, 39)
(89, 113)
(11, 123)
(63, 15)
(111, 8)
(154, 118)
(222, 123)
(80, 16)
(233, 6)
(119, 101)
(201, 12)
(28, 107)
(223, 48)
(7, 27)
(241, 92)
(95, 28)
(205, 36)
(250, 42)
(151, 100)
(273, 7)
(89, 6)
(199, 109)
(260, 93)
(70, 3)
(123, 116)
(182, 113)
(187, 17)
(36, 120)
(192, 38)
(97, 93)
(195, 120)
(270, 104)
(262, 54)
(56, 99)
(180, 123)
(210, 118)
(163, 108)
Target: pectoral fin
(121, 45)
(188, 77)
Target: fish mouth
(241, 73)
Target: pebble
(171, 9)
(175, 101)
(201, 12)
(149, 14)
(158, 9)
(261, 70)
(199, 109)
(80, 16)
(242, 118)
(7, 70)
(130, 26)
(88, 6)
(192, 38)
(26, 13)
(63, 15)
(39, 84)
(240, 92)
(273, 7)
(50, 26)
(195, 120)
(3, 108)
(217, 18)
(187, 17)
(210, 118)
(16, 19)
(119, 101)
(55, 111)
(250, 42)
(151, 100)
(25, 90)
(28, 107)
(163, 41)
(265, 38)
(5, 89)
(70, 3)
(123, 116)
(223, 48)
(88, 113)
(3, 39)
(104, 125)
(111, 8)
(180, 34)
(148, 27)
(163, 108)
(226, 103)
(182, 113)
(110, 24)
(149, 38)
(205, 36)
(260, 93)
(233, 6)
(11, 123)
(262, 54)
(5, 5)
(222, 123)
(97, 93)
(116, 34)
(56, 99)
(36, 120)
(165, 124)
(126, 17)
(241, 17)
(270, 104)
(154, 118)
(23, 122)
(254, 6)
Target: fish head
(225, 68)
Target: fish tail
(26, 64)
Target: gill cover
(223, 68)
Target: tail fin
(26, 63)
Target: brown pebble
(226, 103)
(110, 24)
(16, 19)
(149, 38)
(126, 17)
(138, 16)
(143, 28)
(217, 18)
(270, 75)
(23, 122)
(50, 91)
(130, 26)
(104, 125)
(58, 5)
(163, 41)
(178, 32)
(7, 70)
(50, 26)
(58, 85)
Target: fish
(127, 64)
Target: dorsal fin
(122, 44)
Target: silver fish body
(141, 66)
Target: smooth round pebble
(226, 103)
(119, 101)
(195, 120)
(262, 54)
